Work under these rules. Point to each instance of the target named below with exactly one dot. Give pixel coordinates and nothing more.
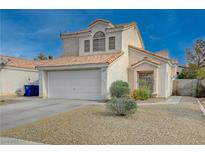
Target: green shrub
(200, 90)
(140, 94)
(121, 106)
(119, 89)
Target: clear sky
(25, 33)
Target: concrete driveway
(33, 109)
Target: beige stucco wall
(43, 84)
(164, 72)
(174, 71)
(13, 79)
(71, 46)
(0, 82)
(97, 28)
(74, 45)
(130, 37)
(144, 67)
(167, 80)
(117, 71)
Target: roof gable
(101, 21)
(146, 60)
(107, 25)
(168, 60)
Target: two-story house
(103, 53)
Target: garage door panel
(75, 84)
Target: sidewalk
(13, 141)
(170, 100)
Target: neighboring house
(96, 57)
(180, 68)
(15, 73)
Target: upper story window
(111, 43)
(87, 46)
(99, 41)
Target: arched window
(99, 41)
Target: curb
(201, 107)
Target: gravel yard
(11, 99)
(8, 101)
(152, 124)
(152, 100)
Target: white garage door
(83, 84)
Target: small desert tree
(189, 72)
(201, 73)
(196, 55)
(196, 59)
(42, 56)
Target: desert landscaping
(152, 124)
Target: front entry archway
(145, 74)
(146, 80)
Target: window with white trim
(111, 43)
(87, 46)
(99, 42)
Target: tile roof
(76, 33)
(132, 24)
(100, 20)
(80, 60)
(19, 62)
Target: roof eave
(150, 53)
(100, 20)
(63, 36)
(18, 67)
(72, 67)
(145, 61)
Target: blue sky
(25, 33)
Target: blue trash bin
(28, 90)
(36, 90)
(31, 90)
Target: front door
(146, 80)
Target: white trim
(83, 34)
(144, 61)
(19, 68)
(100, 22)
(113, 30)
(71, 67)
